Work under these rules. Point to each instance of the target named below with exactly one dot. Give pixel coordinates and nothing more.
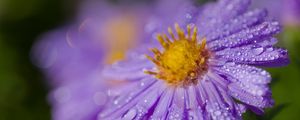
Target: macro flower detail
(72, 56)
(184, 59)
(208, 71)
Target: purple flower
(287, 11)
(71, 64)
(72, 56)
(291, 12)
(206, 67)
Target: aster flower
(206, 67)
(72, 56)
(287, 11)
(291, 12)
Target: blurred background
(23, 90)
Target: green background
(23, 90)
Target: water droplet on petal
(230, 63)
(191, 118)
(142, 84)
(258, 50)
(263, 73)
(269, 49)
(217, 113)
(116, 102)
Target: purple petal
(68, 100)
(247, 36)
(127, 99)
(210, 18)
(66, 58)
(240, 94)
(178, 11)
(161, 110)
(132, 69)
(216, 106)
(248, 84)
(256, 55)
(176, 110)
(244, 73)
(243, 21)
(194, 104)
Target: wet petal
(243, 21)
(256, 55)
(246, 36)
(210, 18)
(238, 92)
(176, 110)
(244, 73)
(216, 106)
(162, 107)
(194, 104)
(247, 84)
(121, 103)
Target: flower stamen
(183, 59)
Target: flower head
(183, 61)
(72, 56)
(207, 71)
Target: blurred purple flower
(73, 56)
(291, 12)
(287, 11)
(205, 72)
(71, 63)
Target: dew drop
(230, 63)
(258, 50)
(116, 102)
(259, 92)
(263, 73)
(269, 49)
(217, 113)
(142, 84)
(191, 118)
(188, 16)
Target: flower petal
(244, 73)
(247, 84)
(245, 37)
(132, 69)
(161, 109)
(135, 92)
(256, 55)
(243, 21)
(242, 95)
(176, 110)
(194, 104)
(216, 106)
(210, 18)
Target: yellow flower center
(183, 59)
(120, 35)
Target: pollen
(183, 58)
